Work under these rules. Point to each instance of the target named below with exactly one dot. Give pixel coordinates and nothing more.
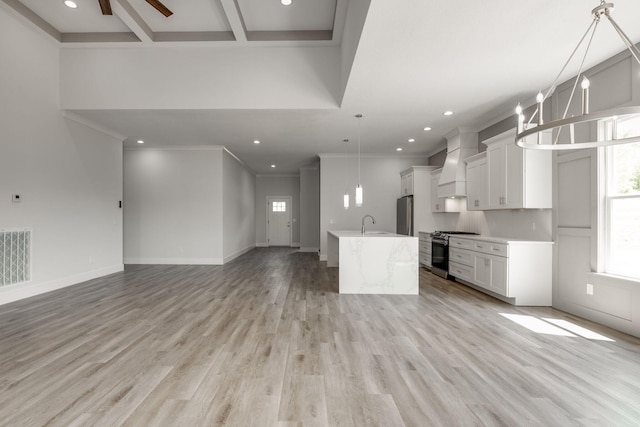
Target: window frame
(607, 200)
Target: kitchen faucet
(373, 220)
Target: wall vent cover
(15, 256)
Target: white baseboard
(262, 245)
(295, 245)
(323, 257)
(238, 253)
(309, 249)
(25, 290)
(175, 261)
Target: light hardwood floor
(266, 340)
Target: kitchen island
(375, 262)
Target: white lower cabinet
(424, 249)
(519, 271)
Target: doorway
(278, 221)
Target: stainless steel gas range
(440, 251)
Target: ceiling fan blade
(105, 5)
(160, 7)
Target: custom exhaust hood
(453, 179)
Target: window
(279, 206)
(622, 200)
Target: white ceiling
(414, 59)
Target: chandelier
(536, 135)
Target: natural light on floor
(554, 327)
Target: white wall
(310, 209)
(173, 206)
(615, 302)
(69, 175)
(380, 180)
(277, 185)
(239, 219)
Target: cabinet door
(514, 175)
(498, 282)
(484, 184)
(482, 270)
(477, 186)
(409, 184)
(496, 160)
(473, 187)
(437, 204)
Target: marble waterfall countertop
(376, 262)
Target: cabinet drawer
(460, 243)
(461, 256)
(460, 271)
(424, 247)
(425, 260)
(498, 249)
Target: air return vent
(15, 256)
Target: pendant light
(598, 14)
(346, 181)
(359, 195)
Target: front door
(279, 221)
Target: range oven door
(440, 257)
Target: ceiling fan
(105, 5)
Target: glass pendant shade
(346, 200)
(359, 195)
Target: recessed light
(256, 142)
(412, 140)
(140, 141)
(427, 129)
(285, 2)
(399, 149)
(273, 166)
(70, 4)
(448, 113)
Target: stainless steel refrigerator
(404, 216)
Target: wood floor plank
(266, 340)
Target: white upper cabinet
(517, 178)
(406, 183)
(416, 182)
(477, 197)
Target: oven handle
(439, 241)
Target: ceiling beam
(26, 13)
(234, 17)
(339, 19)
(123, 10)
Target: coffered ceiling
(136, 21)
(228, 72)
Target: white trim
(374, 156)
(323, 257)
(238, 253)
(309, 249)
(283, 175)
(295, 245)
(261, 245)
(93, 125)
(175, 261)
(141, 147)
(20, 291)
(234, 156)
